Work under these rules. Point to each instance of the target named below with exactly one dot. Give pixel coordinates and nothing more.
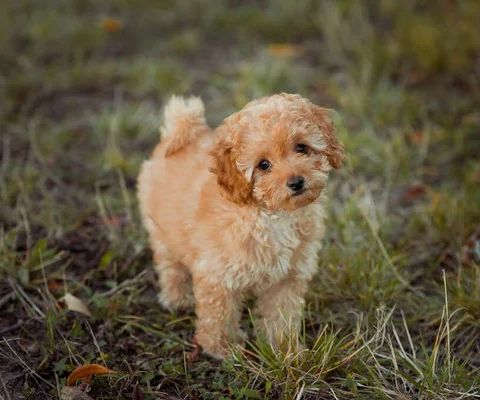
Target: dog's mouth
(299, 192)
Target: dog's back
(176, 167)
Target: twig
(12, 327)
(125, 284)
(95, 342)
(30, 369)
(5, 299)
(5, 389)
(23, 296)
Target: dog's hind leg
(175, 283)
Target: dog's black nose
(296, 183)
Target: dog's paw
(172, 304)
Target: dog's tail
(184, 120)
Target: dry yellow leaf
(75, 304)
(283, 50)
(111, 25)
(416, 137)
(85, 373)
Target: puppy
(238, 210)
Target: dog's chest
(274, 239)
(267, 247)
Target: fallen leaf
(415, 77)
(75, 304)
(449, 260)
(193, 355)
(471, 249)
(111, 25)
(283, 50)
(476, 177)
(115, 220)
(55, 285)
(412, 193)
(73, 393)
(416, 137)
(85, 373)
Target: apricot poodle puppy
(238, 209)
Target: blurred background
(81, 88)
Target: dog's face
(276, 153)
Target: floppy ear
(334, 151)
(231, 180)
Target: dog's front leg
(218, 316)
(279, 309)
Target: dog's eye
(301, 148)
(264, 165)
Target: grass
(394, 310)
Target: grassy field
(394, 312)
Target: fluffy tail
(184, 120)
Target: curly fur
(220, 227)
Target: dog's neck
(283, 214)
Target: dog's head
(276, 153)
